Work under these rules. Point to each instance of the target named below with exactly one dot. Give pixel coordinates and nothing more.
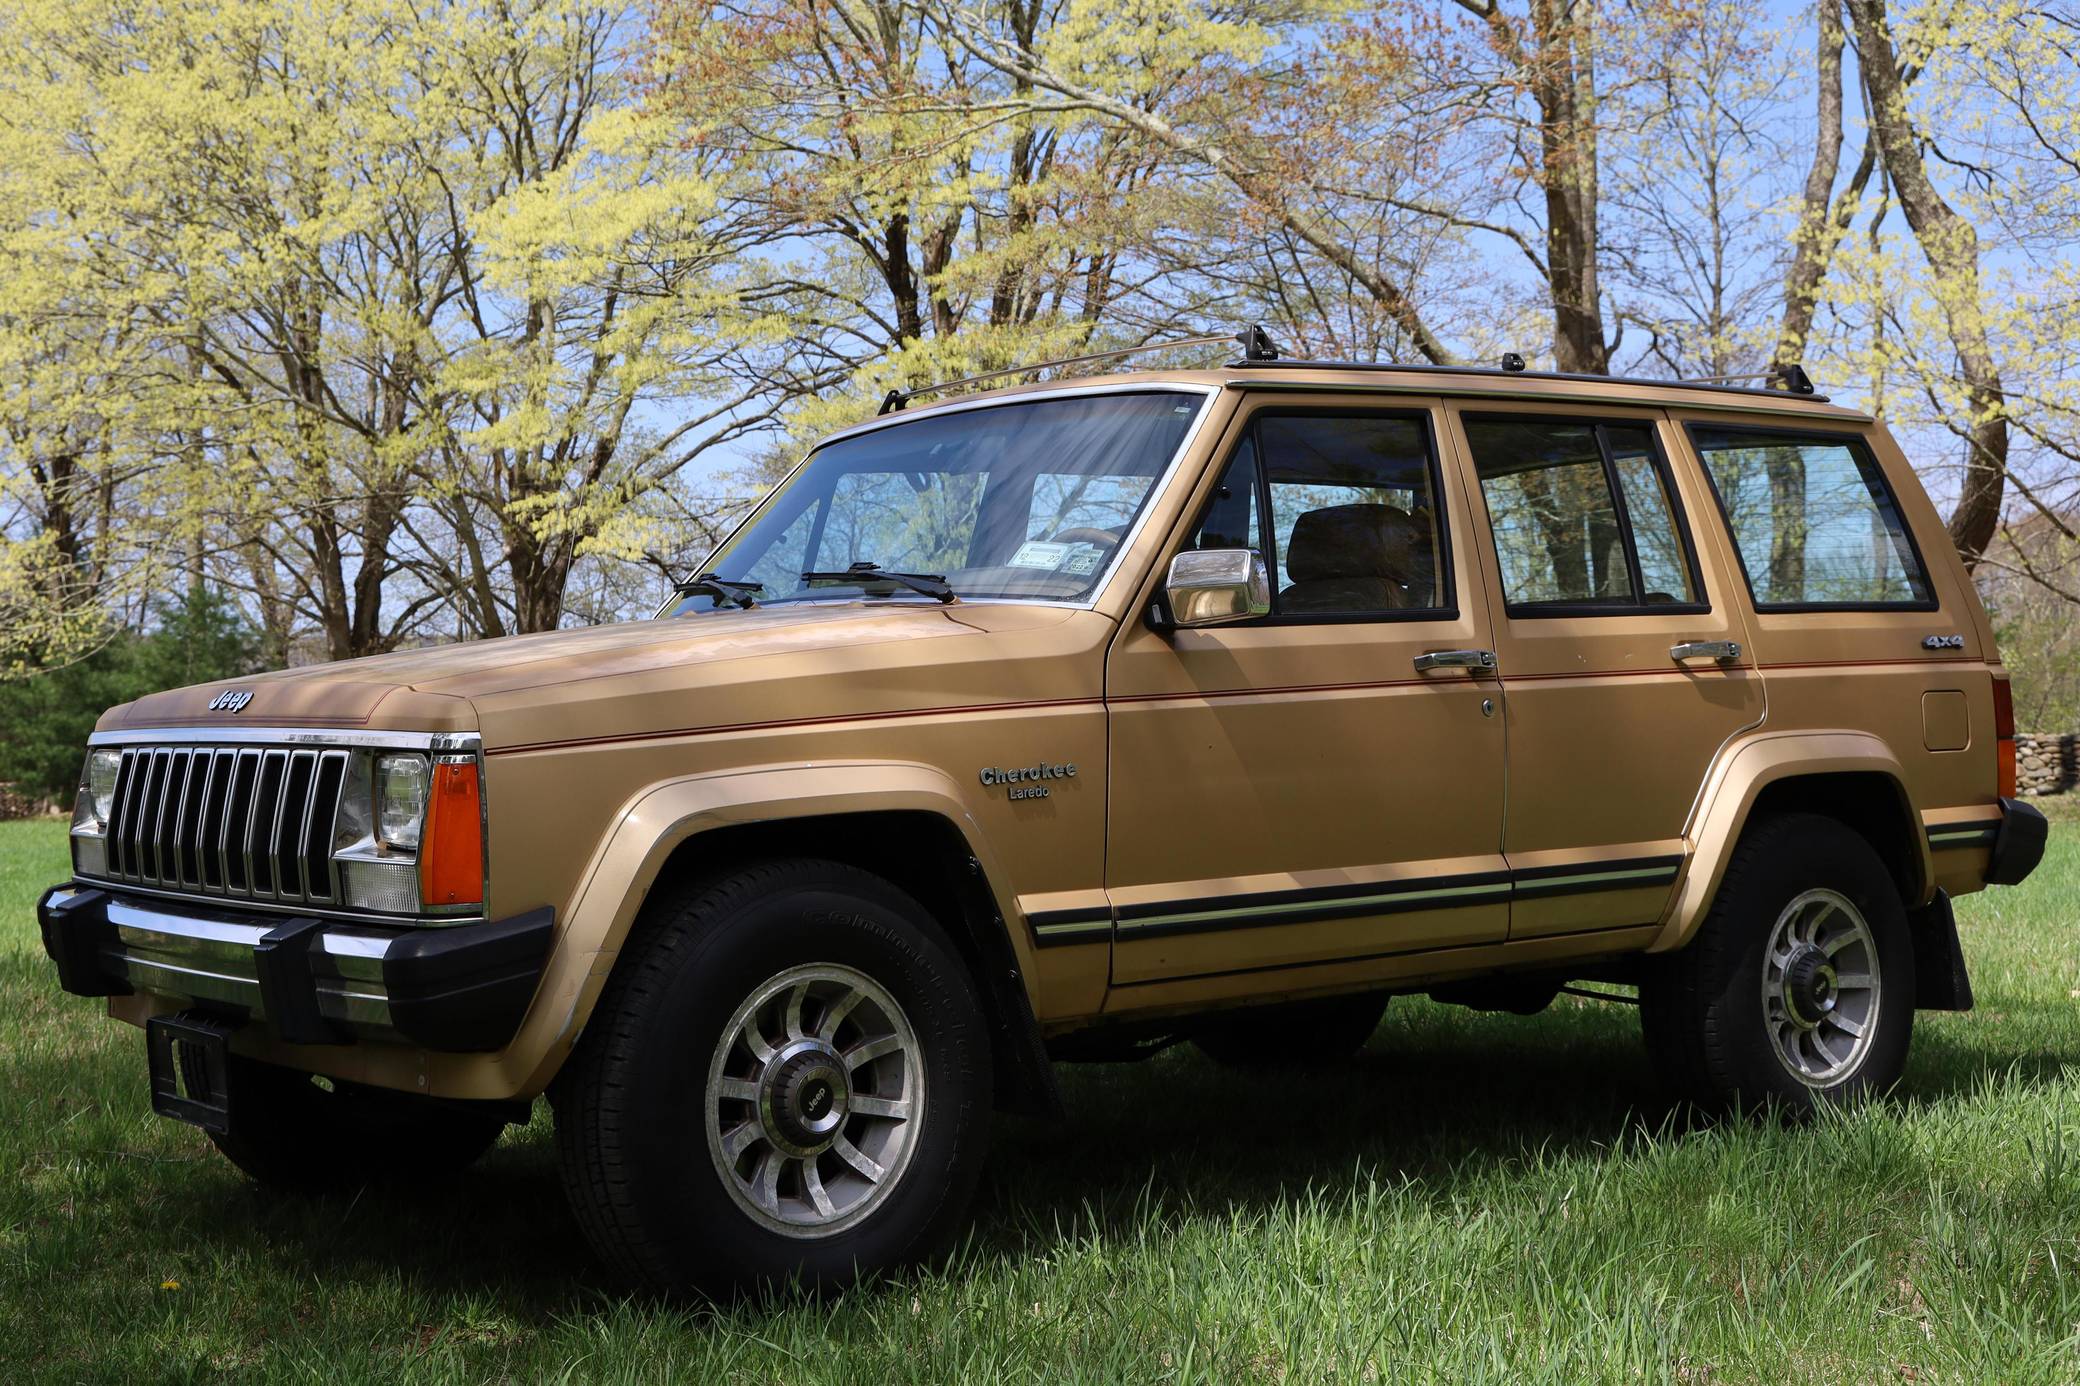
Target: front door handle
(1721, 650)
(1455, 659)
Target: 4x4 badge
(230, 700)
(1943, 642)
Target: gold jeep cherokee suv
(1059, 722)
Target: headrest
(1348, 541)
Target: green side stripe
(1080, 927)
(1589, 878)
(1338, 902)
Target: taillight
(451, 851)
(2004, 737)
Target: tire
(1802, 886)
(668, 1121)
(1329, 1029)
(290, 1133)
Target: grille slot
(228, 821)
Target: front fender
(656, 821)
(1742, 771)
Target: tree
(195, 637)
(1952, 249)
(1230, 92)
(929, 215)
(409, 287)
(1549, 56)
(1693, 223)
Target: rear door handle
(1722, 650)
(1455, 659)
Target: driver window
(1352, 517)
(1353, 525)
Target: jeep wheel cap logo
(230, 700)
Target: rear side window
(1815, 524)
(1582, 514)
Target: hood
(456, 687)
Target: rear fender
(1737, 779)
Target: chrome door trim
(1724, 651)
(1483, 660)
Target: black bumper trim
(456, 988)
(2019, 844)
(75, 931)
(466, 988)
(288, 991)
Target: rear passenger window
(1814, 522)
(1342, 508)
(1582, 515)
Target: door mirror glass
(1209, 587)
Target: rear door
(1857, 623)
(1624, 656)
(1294, 790)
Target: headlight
(101, 781)
(401, 782)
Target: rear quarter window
(1815, 524)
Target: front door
(1625, 662)
(1296, 789)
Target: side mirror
(1211, 587)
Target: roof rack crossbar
(896, 399)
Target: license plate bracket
(199, 1091)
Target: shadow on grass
(1439, 1097)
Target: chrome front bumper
(455, 988)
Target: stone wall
(2047, 764)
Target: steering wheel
(1083, 534)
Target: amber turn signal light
(451, 855)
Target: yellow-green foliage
(383, 297)
(410, 317)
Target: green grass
(1476, 1198)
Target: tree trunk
(1813, 249)
(540, 574)
(1952, 249)
(1564, 84)
(902, 279)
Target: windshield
(1026, 499)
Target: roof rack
(1786, 378)
(1255, 341)
(1258, 350)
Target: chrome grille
(253, 823)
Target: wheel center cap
(1809, 986)
(804, 1099)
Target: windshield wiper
(721, 588)
(861, 574)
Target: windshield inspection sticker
(1083, 562)
(1038, 553)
